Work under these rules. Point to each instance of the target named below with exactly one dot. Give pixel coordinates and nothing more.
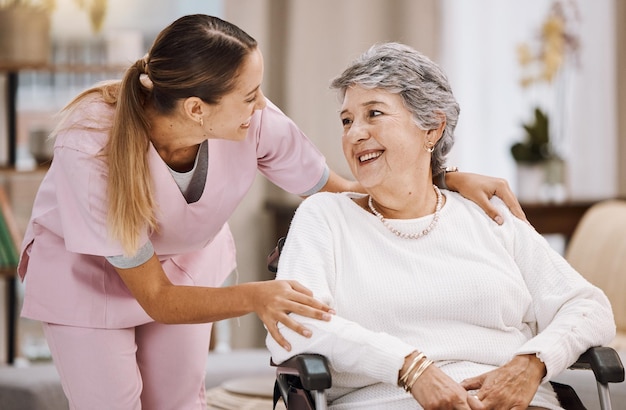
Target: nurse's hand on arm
(271, 300)
(477, 188)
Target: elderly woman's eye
(346, 121)
(375, 113)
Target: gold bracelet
(418, 373)
(405, 376)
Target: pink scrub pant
(151, 367)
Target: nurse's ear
(194, 109)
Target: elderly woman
(431, 296)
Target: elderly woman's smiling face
(381, 141)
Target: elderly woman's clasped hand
(436, 390)
(511, 386)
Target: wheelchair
(302, 380)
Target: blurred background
(546, 77)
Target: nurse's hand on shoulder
(273, 301)
(480, 188)
(477, 188)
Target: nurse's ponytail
(131, 207)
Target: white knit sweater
(470, 295)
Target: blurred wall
(479, 54)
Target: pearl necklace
(404, 235)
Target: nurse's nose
(261, 102)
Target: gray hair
(424, 88)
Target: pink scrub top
(63, 260)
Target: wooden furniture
(11, 113)
(11, 71)
(12, 75)
(9, 244)
(556, 218)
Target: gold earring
(429, 146)
(201, 122)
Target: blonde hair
(196, 55)
(131, 205)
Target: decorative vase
(530, 181)
(24, 36)
(542, 181)
(554, 189)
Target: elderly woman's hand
(480, 189)
(273, 301)
(511, 386)
(436, 390)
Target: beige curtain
(306, 43)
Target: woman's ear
(194, 108)
(436, 133)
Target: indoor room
(542, 90)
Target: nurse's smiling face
(230, 118)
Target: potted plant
(535, 148)
(538, 165)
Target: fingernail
(332, 312)
(499, 220)
(326, 316)
(307, 333)
(287, 347)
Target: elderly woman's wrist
(538, 367)
(414, 366)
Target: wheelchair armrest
(312, 370)
(604, 361)
(272, 258)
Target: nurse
(128, 242)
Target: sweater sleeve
(309, 258)
(570, 313)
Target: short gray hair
(424, 88)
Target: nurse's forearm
(167, 303)
(271, 300)
(190, 304)
(337, 183)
